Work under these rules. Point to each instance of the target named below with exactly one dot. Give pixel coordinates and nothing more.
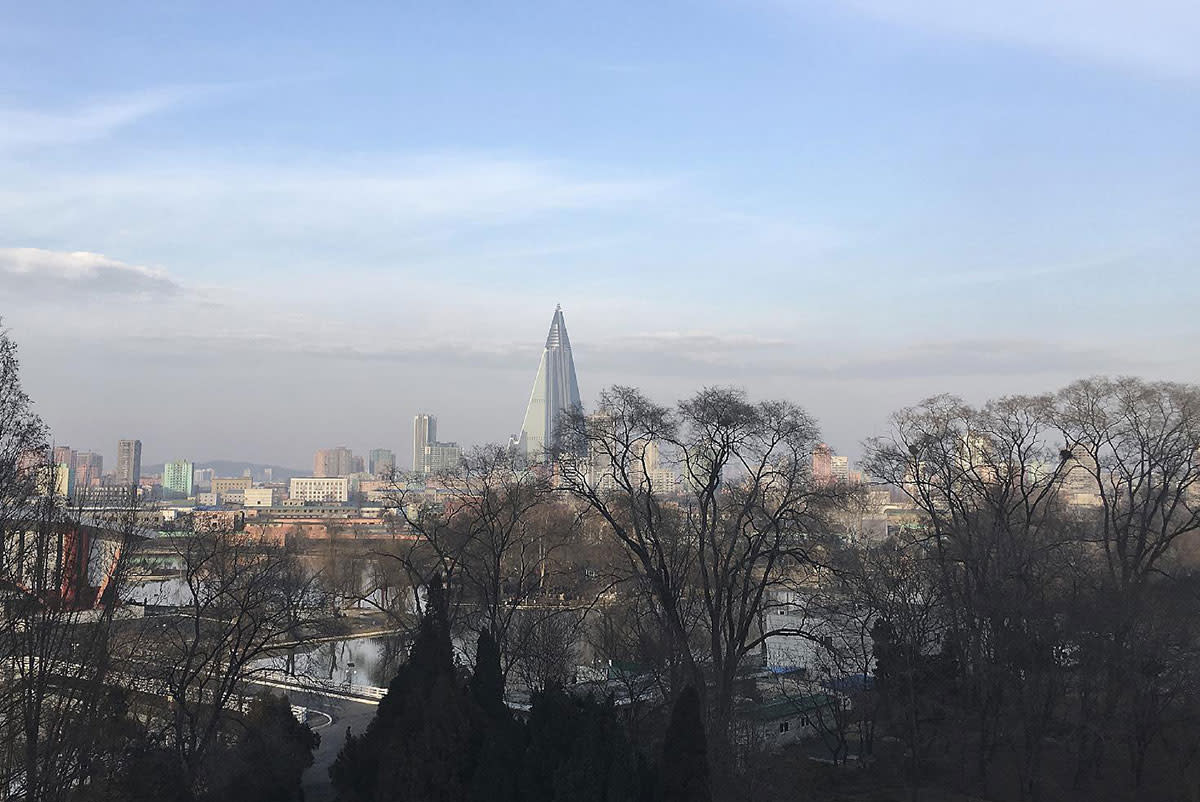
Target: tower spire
(554, 389)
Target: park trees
(717, 555)
(56, 645)
(507, 551)
(1048, 542)
(243, 599)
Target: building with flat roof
(382, 462)
(839, 467)
(442, 458)
(63, 455)
(178, 479)
(424, 433)
(261, 497)
(322, 488)
(231, 484)
(89, 466)
(336, 461)
(129, 462)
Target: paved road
(345, 713)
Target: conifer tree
(684, 773)
(578, 752)
(420, 745)
(501, 740)
(487, 682)
(270, 756)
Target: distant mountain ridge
(228, 467)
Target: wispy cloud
(1019, 274)
(713, 357)
(1154, 36)
(22, 128)
(708, 357)
(49, 274)
(983, 357)
(351, 203)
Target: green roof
(788, 706)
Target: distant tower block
(555, 389)
(424, 434)
(129, 462)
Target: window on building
(784, 726)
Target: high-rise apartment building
(63, 455)
(129, 462)
(333, 462)
(1083, 478)
(839, 468)
(64, 469)
(178, 479)
(382, 462)
(555, 389)
(424, 433)
(430, 456)
(203, 478)
(89, 466)
(442, 458)
(63, 480)
(645, 465)
(822, 464)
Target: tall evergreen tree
(578, 752)
(501, 740)
(421, 743)
(487, 682)
(273, 751)
(684, 773)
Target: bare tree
(1053, 523)
(718, 555)
(506, 548)
(1134, 473)
(245, 599)
(56, 626)
(1135, 447)
(988, 482)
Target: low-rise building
(322, 489)
(230, 484)
(260, 497)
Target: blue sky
(254, 230)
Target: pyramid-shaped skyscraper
(554, 390)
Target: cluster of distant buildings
(340, 478)
(828, 467)
(75, 473)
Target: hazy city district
(690, 601)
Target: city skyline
(555, 389)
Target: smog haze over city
(250, 230)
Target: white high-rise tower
(554, 390)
